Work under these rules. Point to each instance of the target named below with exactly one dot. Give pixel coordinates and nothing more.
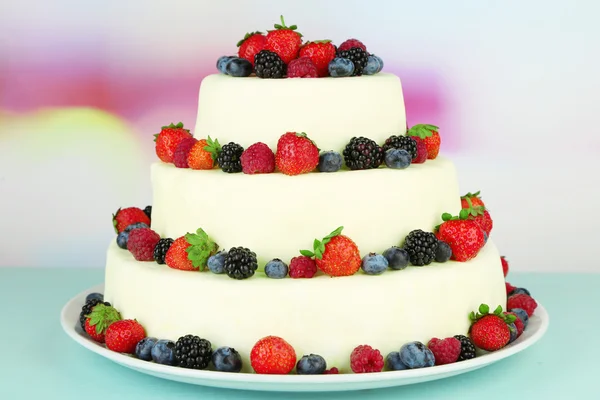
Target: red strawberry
(445, 351)
(191, 252)
(463, 235)
(99, 320)
(204, 153)
(251, 44)
(320, 52)
(504, 262)
(284, 41)
(522, 301)
(302, 67)
(129, 216)
(475, 199)
(421, 151)
(431, 137)
(490, 332)
(336, 254)
(480, 215)
(168, 139)
(350, 43)
(258, 159)
(296, 154)
(122, 336)
(141, 244)
(272, 355)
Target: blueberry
(522, 315)
(339, 67)
(330, 161)
(122, 239)
(397, 257)
(163, 352)
(416, 355)
(443, 252)
(374, 264)
(91, 296)
(513, 332)
(374, 65)
(222, 63)
(216, 262)
(311, 364)
(380, 62)
(143, 350)
(397, 158)
(521, 290)
(137, 225)
(227, 359)
(394, 363)
(238, 67)
(276, 269)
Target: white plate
(538, 325)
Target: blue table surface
(38, 360)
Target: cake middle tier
(276, 215)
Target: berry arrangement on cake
(304, 227)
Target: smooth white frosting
(330, 110)
(276, 215)
(322, 315)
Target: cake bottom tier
(322, 315)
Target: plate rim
(322, 382)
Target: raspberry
(446, 351)
(421, 151)
(331, 371)
(522, 301)
(504, 265)
(258, 159)
(518, 323)
(142, 242)
(364, 358)
(180, 157)
(302, 267)
(302, 67)
(509, 288)
(350, 43)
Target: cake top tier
(330, 110)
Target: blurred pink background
(84, 85)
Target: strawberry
(129, 216)
(463, 235)
(284, 41)
(431, 137)
(474, 197)
(480, 215)
(490, 332)
(122, 336)
(296, 154)
(99, 320)
(204, 154)
(504, 262)
(273, 355)
(336, 254)
(251, 44)
(191, 252)
(320, 52)
(168, 139)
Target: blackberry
(467, 349)
(363, 153)
(87, 309)
(240, 263)
(148, 211)
(421, 247)
(401, 142)
(192, 352)
(358, 56)
(160, 251)
(268, 64)
(229, 158)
